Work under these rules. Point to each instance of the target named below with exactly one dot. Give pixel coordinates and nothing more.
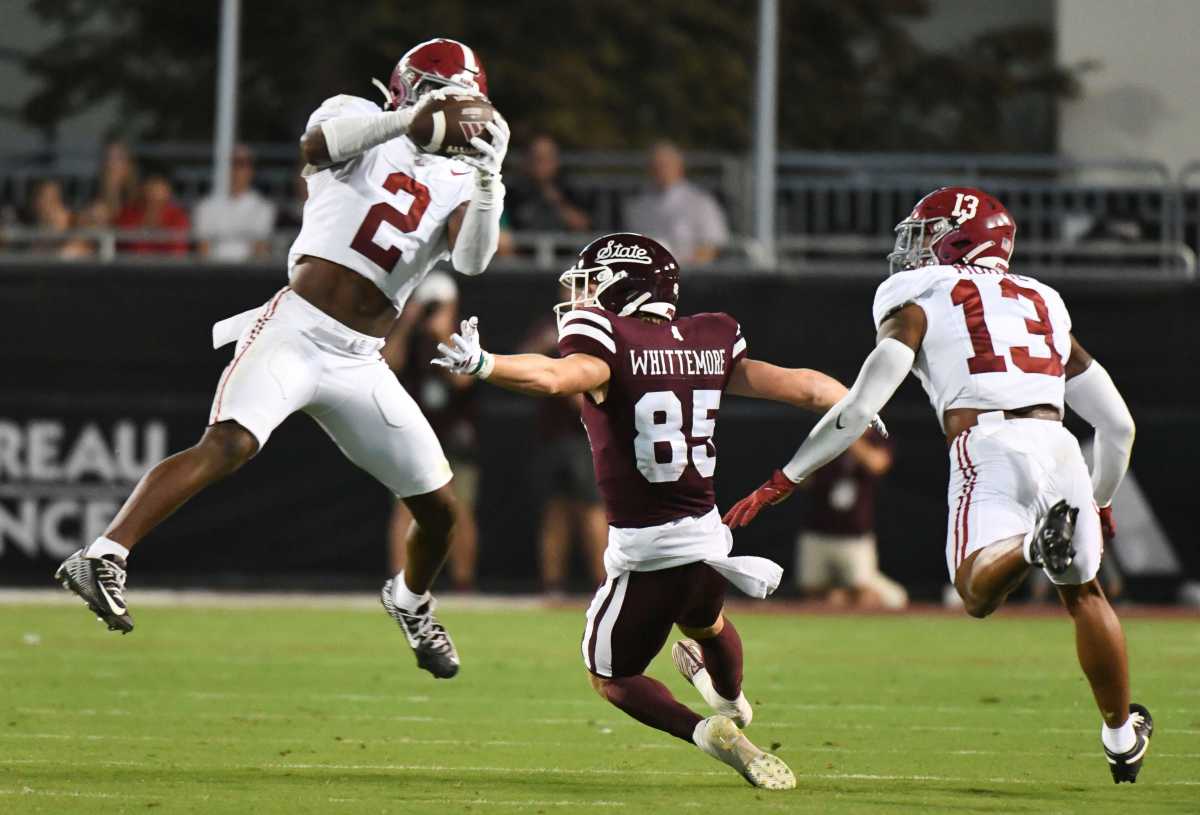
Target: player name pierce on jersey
(678, 362)
(652, 436)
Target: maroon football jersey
(652, 436)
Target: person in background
(117, 184)
(450, 404)
(565, 479)
(236, 228)
(836, 553)
(154, 209)
(541, 199)
(676, 212)
(49, 214)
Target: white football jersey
(383, 213)
(994, 340)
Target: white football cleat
(720, 738)
(689, 660)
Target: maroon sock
(723, 659)
(649, 701)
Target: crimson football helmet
(623, 272)
(954, 225)
(431, 65)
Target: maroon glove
(1108, 526)
(772, 492)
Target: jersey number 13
(985, 359)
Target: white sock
(406, 598)
(1025, 547)
(1119, 739)
(106, 546)
(698, 736)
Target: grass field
(321, 710)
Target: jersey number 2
(384, 213)
(658, 417)
(986, 360)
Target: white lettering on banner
(60, 487)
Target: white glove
(491, 155)
(879, 426)
(463, 355)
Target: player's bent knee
(1077, 598)
(436, 512)
(706, 632)
(229, 445)
(599, 684)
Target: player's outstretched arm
(473, 232)
(801, 387)
(1092, 394)
(900, 336)
(531, 374)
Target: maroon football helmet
(954, 225)
(431, 65)
(623, 272)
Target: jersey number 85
(658, 417)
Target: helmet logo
(965, 207)
(613, 252)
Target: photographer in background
(836, 554)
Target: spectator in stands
(49, 214)
(836, 556)
(117, 186)
(239, 227)
(154, 209)
(565, 479)
(450, 403)
(675, 211)
(540, 198)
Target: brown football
(446, 126)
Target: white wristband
(485, 365)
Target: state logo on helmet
(431, 65)
(954, 225)
(625, 273)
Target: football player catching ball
(382, 209)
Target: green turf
(283, 710)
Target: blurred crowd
(138, 205)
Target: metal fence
(1078, 219)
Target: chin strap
(385, 90)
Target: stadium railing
(1083, 219)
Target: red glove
(1108, 526)
(772, 492)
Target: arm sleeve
(587, 331)
(479, 235)
(1093, 396)
(353, 125)
(882, 372)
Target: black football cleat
(426, 635)
(1051, 545)
(1126, 766)
(100, 582)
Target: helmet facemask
(586, 285)
(915, 242)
